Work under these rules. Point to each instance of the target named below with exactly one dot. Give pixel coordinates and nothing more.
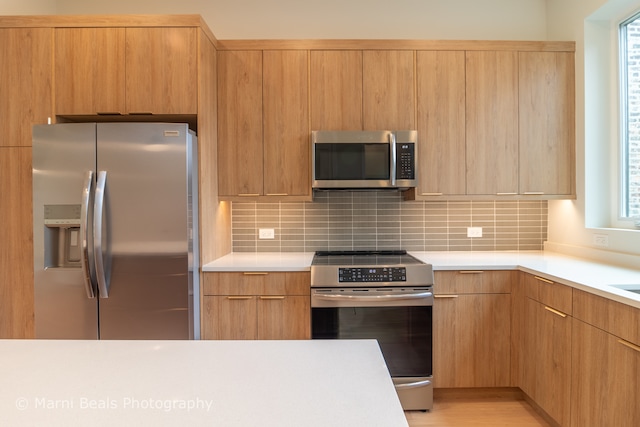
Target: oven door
(400, 319)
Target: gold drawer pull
(431, 194)
(446, 296)
(277, 194)
(559, 313)
(544, 280)
(506, 194)
(272, 297)
(248, 194)
(256, 273)
(628, 344)
(534, 193)
(239, 298)
(471, 272)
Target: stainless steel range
(382, 295)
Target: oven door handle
(415, 384)
(333, 297)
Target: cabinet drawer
(257, 283)
(547, 292)
(612, 316)
(473, 282)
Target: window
(630, 146)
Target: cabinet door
(471, 340)
(284, 317)
(492, 122)
(162, 70)
(285, 116)
(336, 90)
(441, 123)
(547, 359)
(25, 83)
(604, 379)
(240, 156)
(388, 94)
(89, 70)
(547, 122)
(16, 248)
(230, 317)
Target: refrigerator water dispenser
(62, 236)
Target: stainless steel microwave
(364, 159)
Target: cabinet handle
(471, 272)
(506, 194)
(446, 296)
(559, 313)
(248, 194)
(140, 113)
(239, 298)
(628, 344)
(544, 280)
(534, 193)
(431, 194)
(274, 297)
(256, 273)
(108, 113)
(277, 194)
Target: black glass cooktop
(368, 258)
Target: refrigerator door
(145, 233)
(64, 159)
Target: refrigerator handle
(84, 235)
(102, 273)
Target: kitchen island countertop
(196, 383)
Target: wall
(572, 224)
(381, 220)
(376, 19)
(27, 7)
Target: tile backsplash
(352, 220)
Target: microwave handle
(392, 169)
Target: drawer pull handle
(431, 194)
(248, 194)
(240, 298)
(260, 273)
(272, 297)
(506, 194)
(534, 193)
(544, 280)
(471, 272)
(628, 344)
(446, 296)
(559, 313)
(277, 194)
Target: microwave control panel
(405, 161)
(372, 274)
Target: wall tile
(351, 220)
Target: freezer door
(63, 157)
(145, 234)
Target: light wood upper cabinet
(547, 122)
(441, 118)
(240, 155)
(142, 70)
(336, 90)
(89, 70)
(388, 93)
(471, 329)
(492, 122)
(285, 118)
(25, 83)
(161, 70)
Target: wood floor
(473, 408)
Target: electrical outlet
(474, 231)
(266, 233)
(601, 240)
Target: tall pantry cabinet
(25, 85)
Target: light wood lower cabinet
(471, 329)
(268, 306)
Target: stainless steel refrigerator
(115, 231)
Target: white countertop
(590, 276)
(193, 383)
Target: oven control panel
(372, 274)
